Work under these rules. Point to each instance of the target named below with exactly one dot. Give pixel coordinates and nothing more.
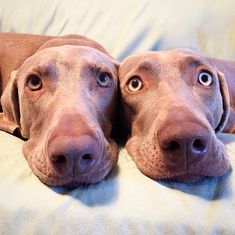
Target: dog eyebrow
(193, 62)
(47, 70)
(145, 66)
(97, 69)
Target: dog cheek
(211, 106)
(29, 117)
(26, 122)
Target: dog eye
(205, 79)
(134, 84)
(34, 82)
(104, 80)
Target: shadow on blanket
(102, 193)
(211, 188)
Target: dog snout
(73, 155)
(184, 143)
(73, 147)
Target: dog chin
(40, 166)
(151, 163)
(188, 178)
(51, 179)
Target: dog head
(62, 101)
(174, 102)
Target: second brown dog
(174, 103)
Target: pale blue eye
(205, 79)
(104, 80)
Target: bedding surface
(126, 202)
(126, 27)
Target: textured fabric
(124, 27)
(127, 202)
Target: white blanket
(127, 202)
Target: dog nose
(69, 154)
(184, 142)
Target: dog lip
(68, 180)
(96, 174)
(102, 167)
(150, 161)
(188, 178)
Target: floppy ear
(226, 102)
(10, 118)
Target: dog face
(63, 100)
(173, 103)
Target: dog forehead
(68, 57)
(73, 53)
(188, 57)
(163, 61)
(151, 62)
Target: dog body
(15, 49)
(174, 103)
(61, 99)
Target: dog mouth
(41, 167)
(188, 178)
(151, 161)
(72, 181)
(52, 179)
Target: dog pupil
(103, 78)
(205, 78)
(135, 83)
(34, 81)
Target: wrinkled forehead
(70, 58)
(178, 60)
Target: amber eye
(134, 84)
(104, 80)
(34, 82)
(205, 79)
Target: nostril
(59, 163)
(86, 160)
(73, 156)
(60, 159)
(87, 157)
(172, 146)
(199, 145)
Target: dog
(172, 105)
(60, 95)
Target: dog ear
(10, 118)
(116, 63)
(226, 102)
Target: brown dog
(174, 102)
(61, 99)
